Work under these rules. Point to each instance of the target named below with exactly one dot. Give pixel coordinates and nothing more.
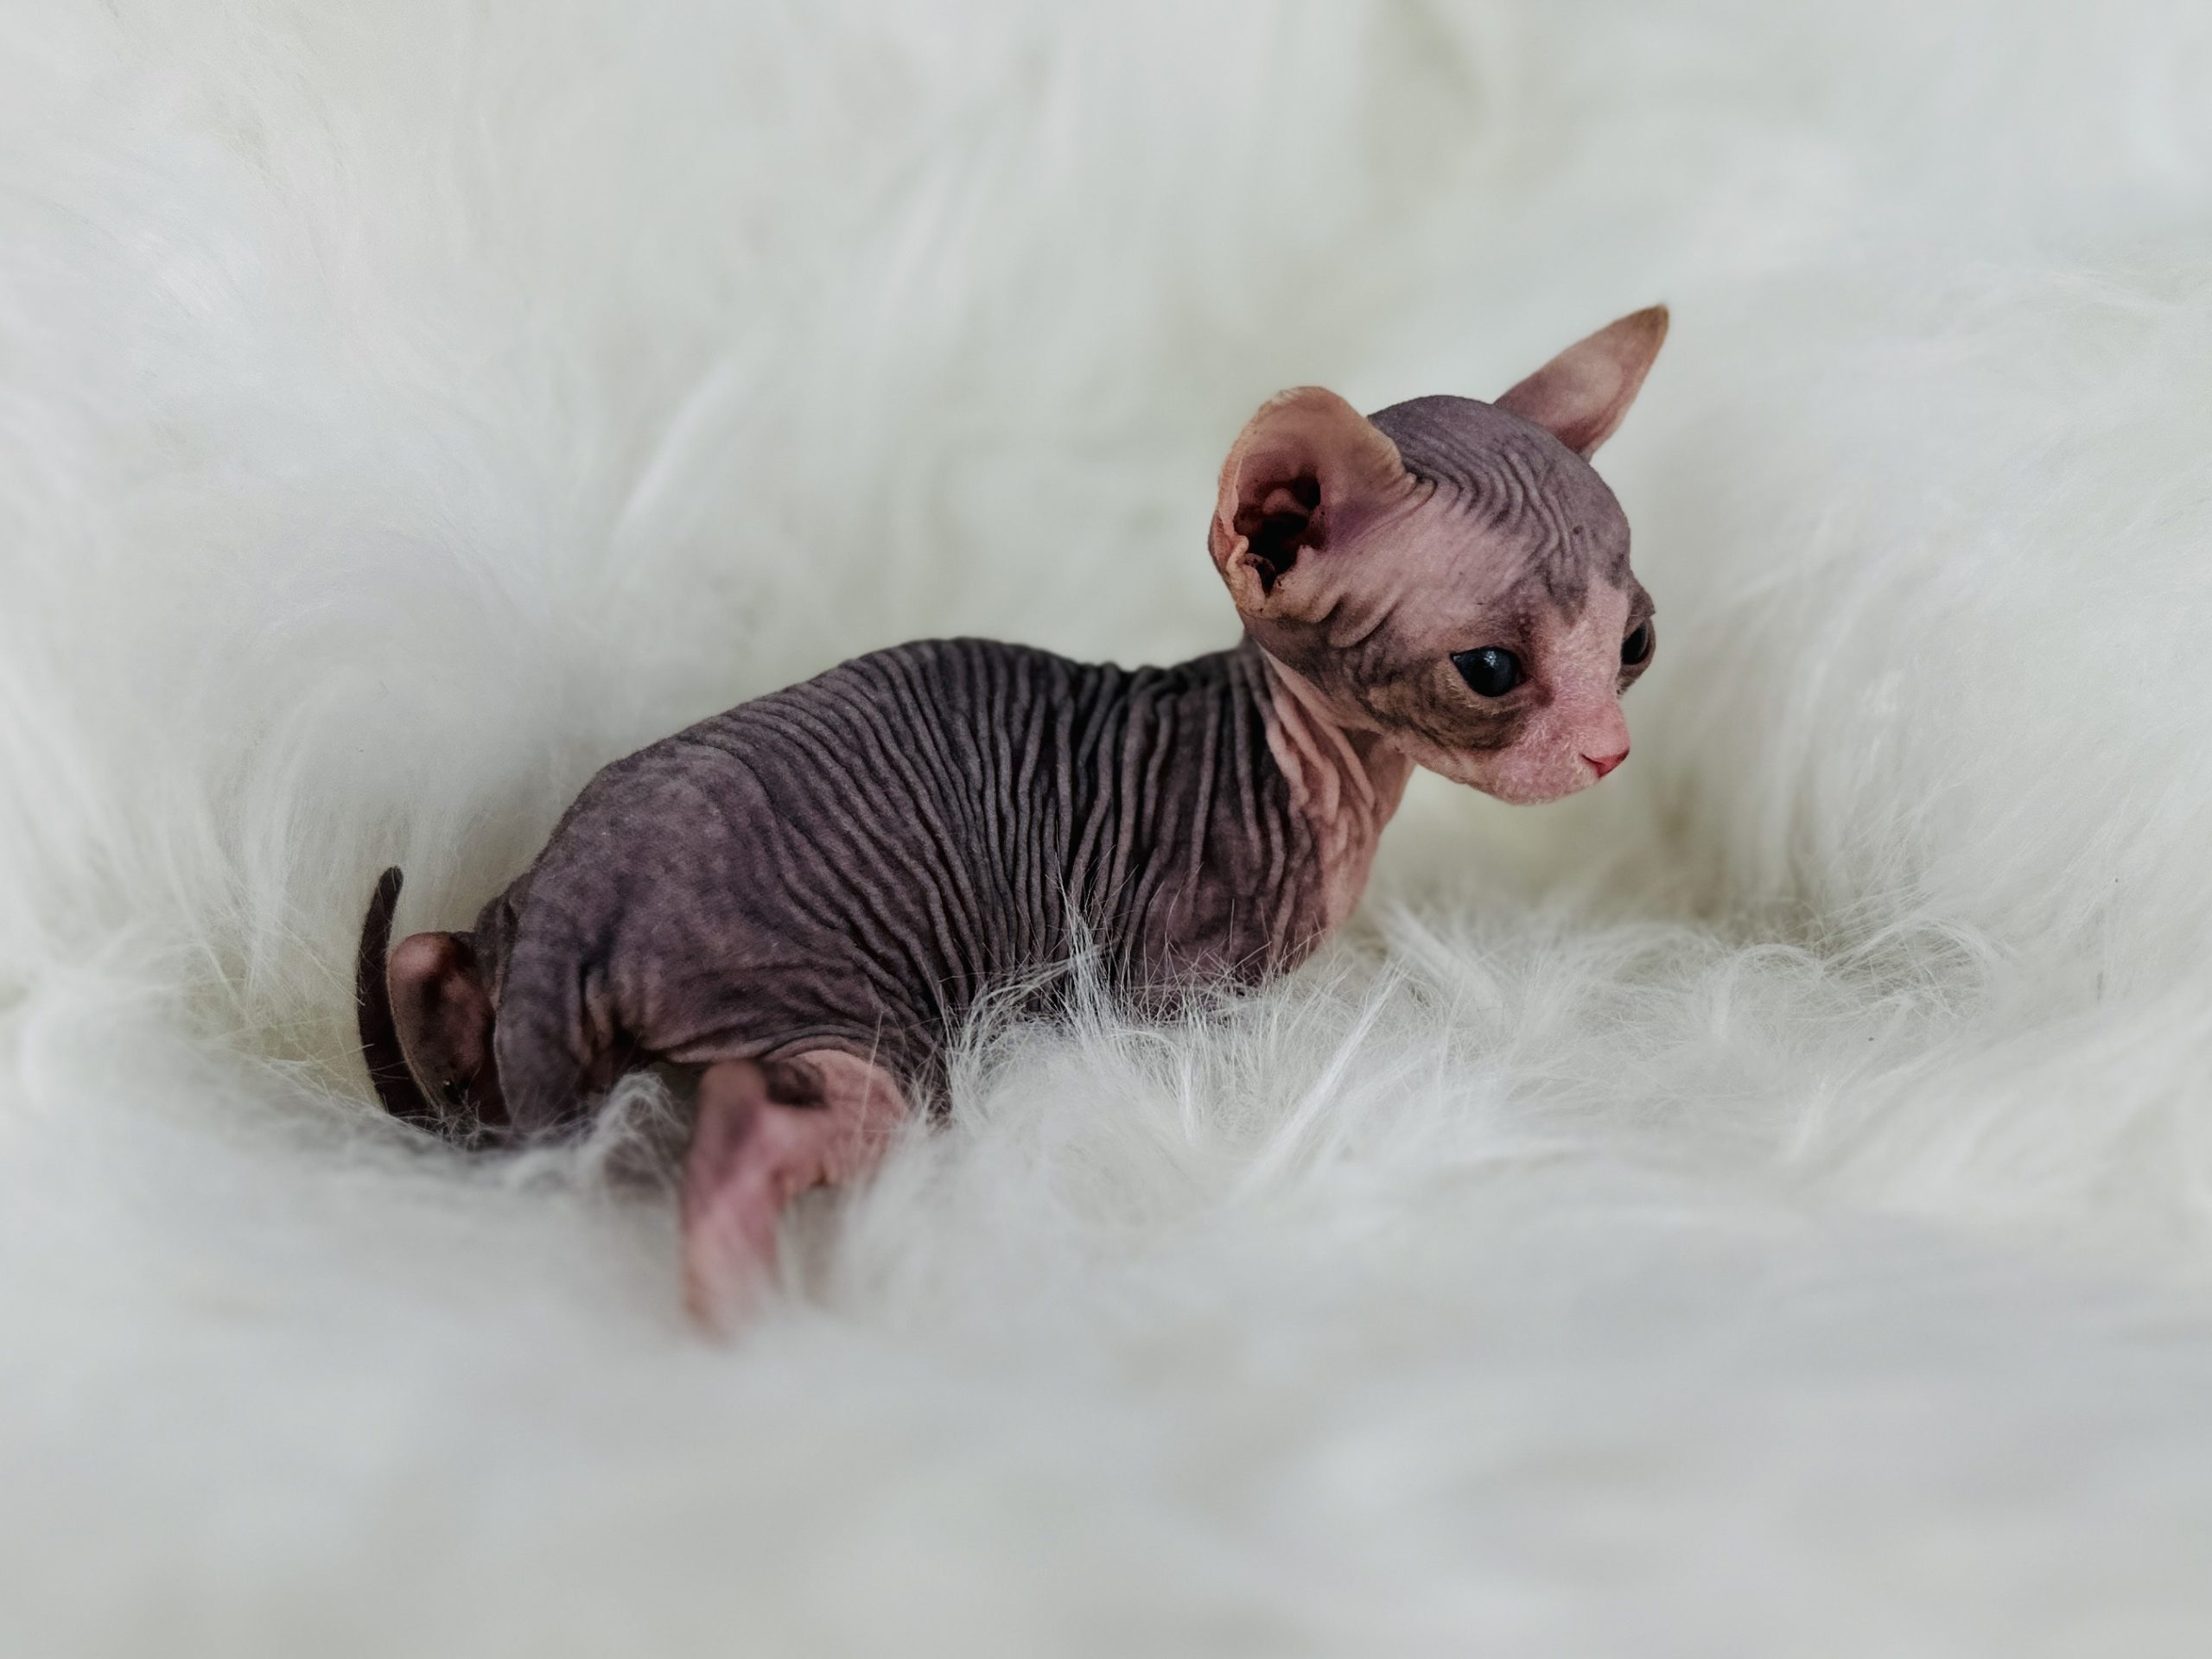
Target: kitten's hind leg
(443, 1010)
(768, 1130)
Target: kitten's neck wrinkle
(1345, 782)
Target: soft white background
(1763, 1207)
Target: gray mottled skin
(1501, 473)
(851, 862)
(803, 897)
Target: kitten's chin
(1536, 797)
(1514, 785)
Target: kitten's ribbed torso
(852, 861)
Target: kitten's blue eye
(1637, 645)
(1489, 672)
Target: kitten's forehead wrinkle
(1546, 515)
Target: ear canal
(1300, 476)
(1581, 395)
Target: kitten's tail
(380, 1045)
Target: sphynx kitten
(802, 896)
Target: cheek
(1431, 713)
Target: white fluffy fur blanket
(1763, 1207)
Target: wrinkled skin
(801, 897)
(1444, 524)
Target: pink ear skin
(443, 1014)
(1305, 473)
(1581, 395)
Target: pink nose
(1605, 763)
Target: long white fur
(1762, 1206)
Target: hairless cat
(801, 897)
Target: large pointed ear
(1580, 395)
(1306, 471)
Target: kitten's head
(1453, 574)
